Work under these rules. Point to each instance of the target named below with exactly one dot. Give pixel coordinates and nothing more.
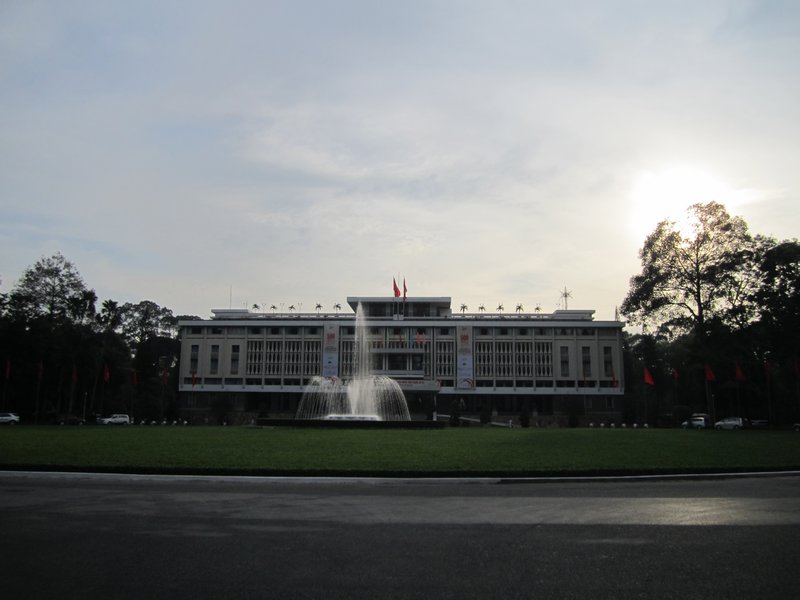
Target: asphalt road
(100, 536)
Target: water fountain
(365, 397)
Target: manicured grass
(465, 451)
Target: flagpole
(5, 382)
(675, 399)
(769, 396)
(709, 403)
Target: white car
(694, 423)
(9, 418)
(731, 423)
(118, 419)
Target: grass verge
(447, 452)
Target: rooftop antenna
(565, 296)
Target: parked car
(731, 423)
(759, 424)
(70, 420)
(695, 422)
(9, 418)
(118, 419)
(796, 426)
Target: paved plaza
(123, 536)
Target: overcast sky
(212, 154)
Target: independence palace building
(562, 368)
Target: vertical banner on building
(330, 351)
(465, 375)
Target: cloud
(311, 151)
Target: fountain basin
(349, 424)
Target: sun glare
(667, 194)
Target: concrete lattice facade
(559, 368)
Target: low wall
(350, 424)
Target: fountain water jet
(365, 397)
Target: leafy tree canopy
(693, 275)
(52, 288)
(145, 320)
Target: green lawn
(464, 451)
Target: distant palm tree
(256, 307)
(463, 308)
(110, 315)
(337, 307)
(482, 308)
(500, 308)
(318, 307)
(291, 308)
(538, 308)
(519, 308)
(273, 308)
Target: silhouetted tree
(688, 279)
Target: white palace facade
(562, 368)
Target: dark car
(69, 420)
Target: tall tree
(694, 274)
(54, 289)
(110, 317)
(778, 295)
(145, 320)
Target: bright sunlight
(668, 193)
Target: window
(444, 331)
(235, 359)
(608, 362)
(255, 331)
(586, 361)
(564, 361)
(543, 359)
(193, 358)
(216, 331)
(214, 362)
(255, 357)
(397, 362)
